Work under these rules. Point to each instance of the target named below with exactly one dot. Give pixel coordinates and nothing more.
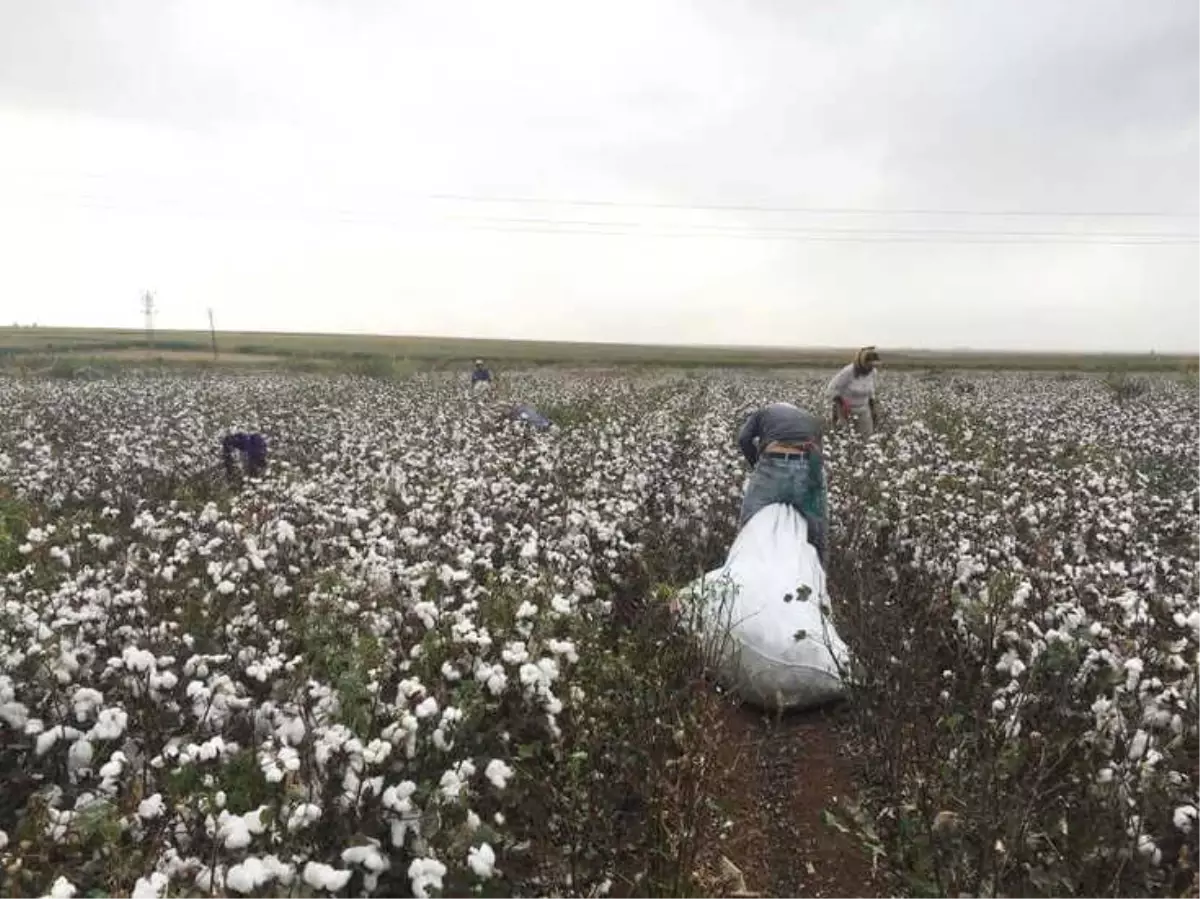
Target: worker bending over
(783, 444)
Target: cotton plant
(325, 678)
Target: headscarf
(863, 359)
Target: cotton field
(395, 665)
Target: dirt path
(785, 773)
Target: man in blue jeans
(783, 443)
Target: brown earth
(781, 773)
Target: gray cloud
(176, 119)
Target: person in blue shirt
(783, 444)
(480, 373)
(253, 449)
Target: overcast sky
(315, 165)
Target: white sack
(773, 653)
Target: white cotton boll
(302, 816)
(474, 822)
(1147, 848)
(408, 688)
(79, 756)
(425, 873)
(289, 758)
(397, 798)
(84, 701)
(482, 861)
(291, 731)
(254, 821)
(152, 887)
(451, 784)
(376, 752)
(62, 889)
(234, 832)
(498, 773)
(323, 877)
(530, 675)
(368, 856)
(1184, 818)
(1137, 746)
(14, 714)
(427, 708)
(225, 588)
(46, 740)
(1133, 669)
(497, 682)
(111, 769)
(527, 610)
(204, 879)
(138, 660)
(564, 648)
(1011, 664)
(3, 840)
(247, 876)
(514, 653)
(151, 808)
(110, 724)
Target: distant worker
(852, 391)
(783, 444)
(480, 375)
(251, 447)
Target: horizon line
(772, 348)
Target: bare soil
(782, 772)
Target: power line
(770, 208)
(817, 238)
(763, 230)
(824, 234)
(812, 210)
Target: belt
(777, 455)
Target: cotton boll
(427, 708)
(482, 861)
(323, 877)
(302, 816)
(152, 887)
(151, 808)
(247, 876)
(62, 889)
(498, 773)
(367, 856)
(110, 724)
(1184, 818)
(425, 874)
(234, 832)
(79, 756)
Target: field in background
(22, 346)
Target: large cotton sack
(764, 616)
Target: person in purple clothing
(480, 373)
(252, 447)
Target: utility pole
(212, 330)
(148, 311)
